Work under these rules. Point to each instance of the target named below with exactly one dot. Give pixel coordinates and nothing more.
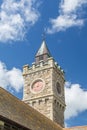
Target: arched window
(58, 87)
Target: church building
(43, 103)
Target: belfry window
(41, 57)
(58, 88)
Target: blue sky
(22, 23)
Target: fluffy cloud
(75, 99)
(69, 15)
(10, 79)
(15, 16)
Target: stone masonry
(49, 102)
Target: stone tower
(44, 85)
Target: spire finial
(44, 35)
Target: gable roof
(17, 111)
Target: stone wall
(50, 73)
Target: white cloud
(69, 15)
(10, 79)
(14, 17)
(76, 100)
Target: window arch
(58, 87)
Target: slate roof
(43, 49)
(17, 111)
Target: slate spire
(43, 53)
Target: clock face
(37, 86)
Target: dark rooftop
(17, 111)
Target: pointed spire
(43, 49)
(43, 52)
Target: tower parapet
(43, 65)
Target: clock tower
(44, 85)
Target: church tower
(44, 85)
